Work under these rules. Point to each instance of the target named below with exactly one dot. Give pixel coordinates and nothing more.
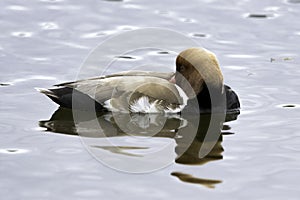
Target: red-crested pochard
(197, 75)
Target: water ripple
(49, 25)
(88, 193)
(52, 1)
(188, 20)
(133, 6)
(288, 106)
(5, 84)
(242, 56)
(127, 28)
(164, 12)
(22, 34)
(40, 59)
(272, 8)
(17, 8)
(259, 16)
(113, 0)
(68, 151)
(13, 151)
(34, 77)
(199, 35)
(6, 128)
(293, 1)
(233, 67)
(254, 103)
(98, 34)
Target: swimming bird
(197, 77)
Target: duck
(197, 78)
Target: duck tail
(47, 92)
(61, 95)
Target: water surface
(44, 42)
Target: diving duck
(197, 77)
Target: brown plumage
(197, 73)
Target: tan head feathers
(198, 65)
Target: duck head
(196, 67)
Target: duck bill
(173, 80)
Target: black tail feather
(71, 98)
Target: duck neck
(204, 98)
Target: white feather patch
(143, 105)
(181, 107)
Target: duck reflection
(197, 139)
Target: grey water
(45, 42)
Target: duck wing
(118, 86)
(121, 89)
(163, 75)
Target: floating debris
(287, 58)
(281, 59)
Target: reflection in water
(188, 146)
(210, 183)
(120, 149)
